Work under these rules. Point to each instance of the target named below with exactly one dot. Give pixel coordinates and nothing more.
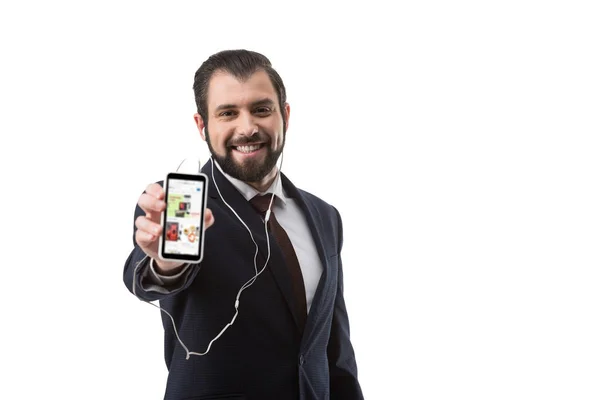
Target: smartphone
(182, 220)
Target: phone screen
(183, 218)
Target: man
(291, 337)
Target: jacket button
(301, 359)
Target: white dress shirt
(291, 218)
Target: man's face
(245, 131)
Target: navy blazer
(263, 355)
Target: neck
(265, 182)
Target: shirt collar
(249, 192)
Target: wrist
(166, 268)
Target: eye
(263, 111)
(226, 114)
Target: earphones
(245, 286)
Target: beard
(251, 170)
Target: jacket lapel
(312, 215)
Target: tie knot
(261, 203)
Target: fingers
(156, 191)
(147, 234)
(144, 239)
(152, 201)
(209, 219)
(146, 225)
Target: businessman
(291, 337)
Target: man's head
(242, 113)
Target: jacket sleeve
(343, 373)
(144, 282)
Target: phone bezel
(199, 177)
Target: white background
(459, 140)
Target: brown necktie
(261, 204)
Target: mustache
(243, 140)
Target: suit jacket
(263, 355)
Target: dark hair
(241, 64)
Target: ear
(287, 115)
(200, 125)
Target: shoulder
(311, 200)
(326, 218)
(316, 201)
(325, 213)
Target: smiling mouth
(246, 149)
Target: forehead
(225, 88)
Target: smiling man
(291, 338)
(246, 135)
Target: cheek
(276, 128)
(218, 137)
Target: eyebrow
(262, 102)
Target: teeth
(248, 149)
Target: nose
(247, 124)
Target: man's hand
(149, 228)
